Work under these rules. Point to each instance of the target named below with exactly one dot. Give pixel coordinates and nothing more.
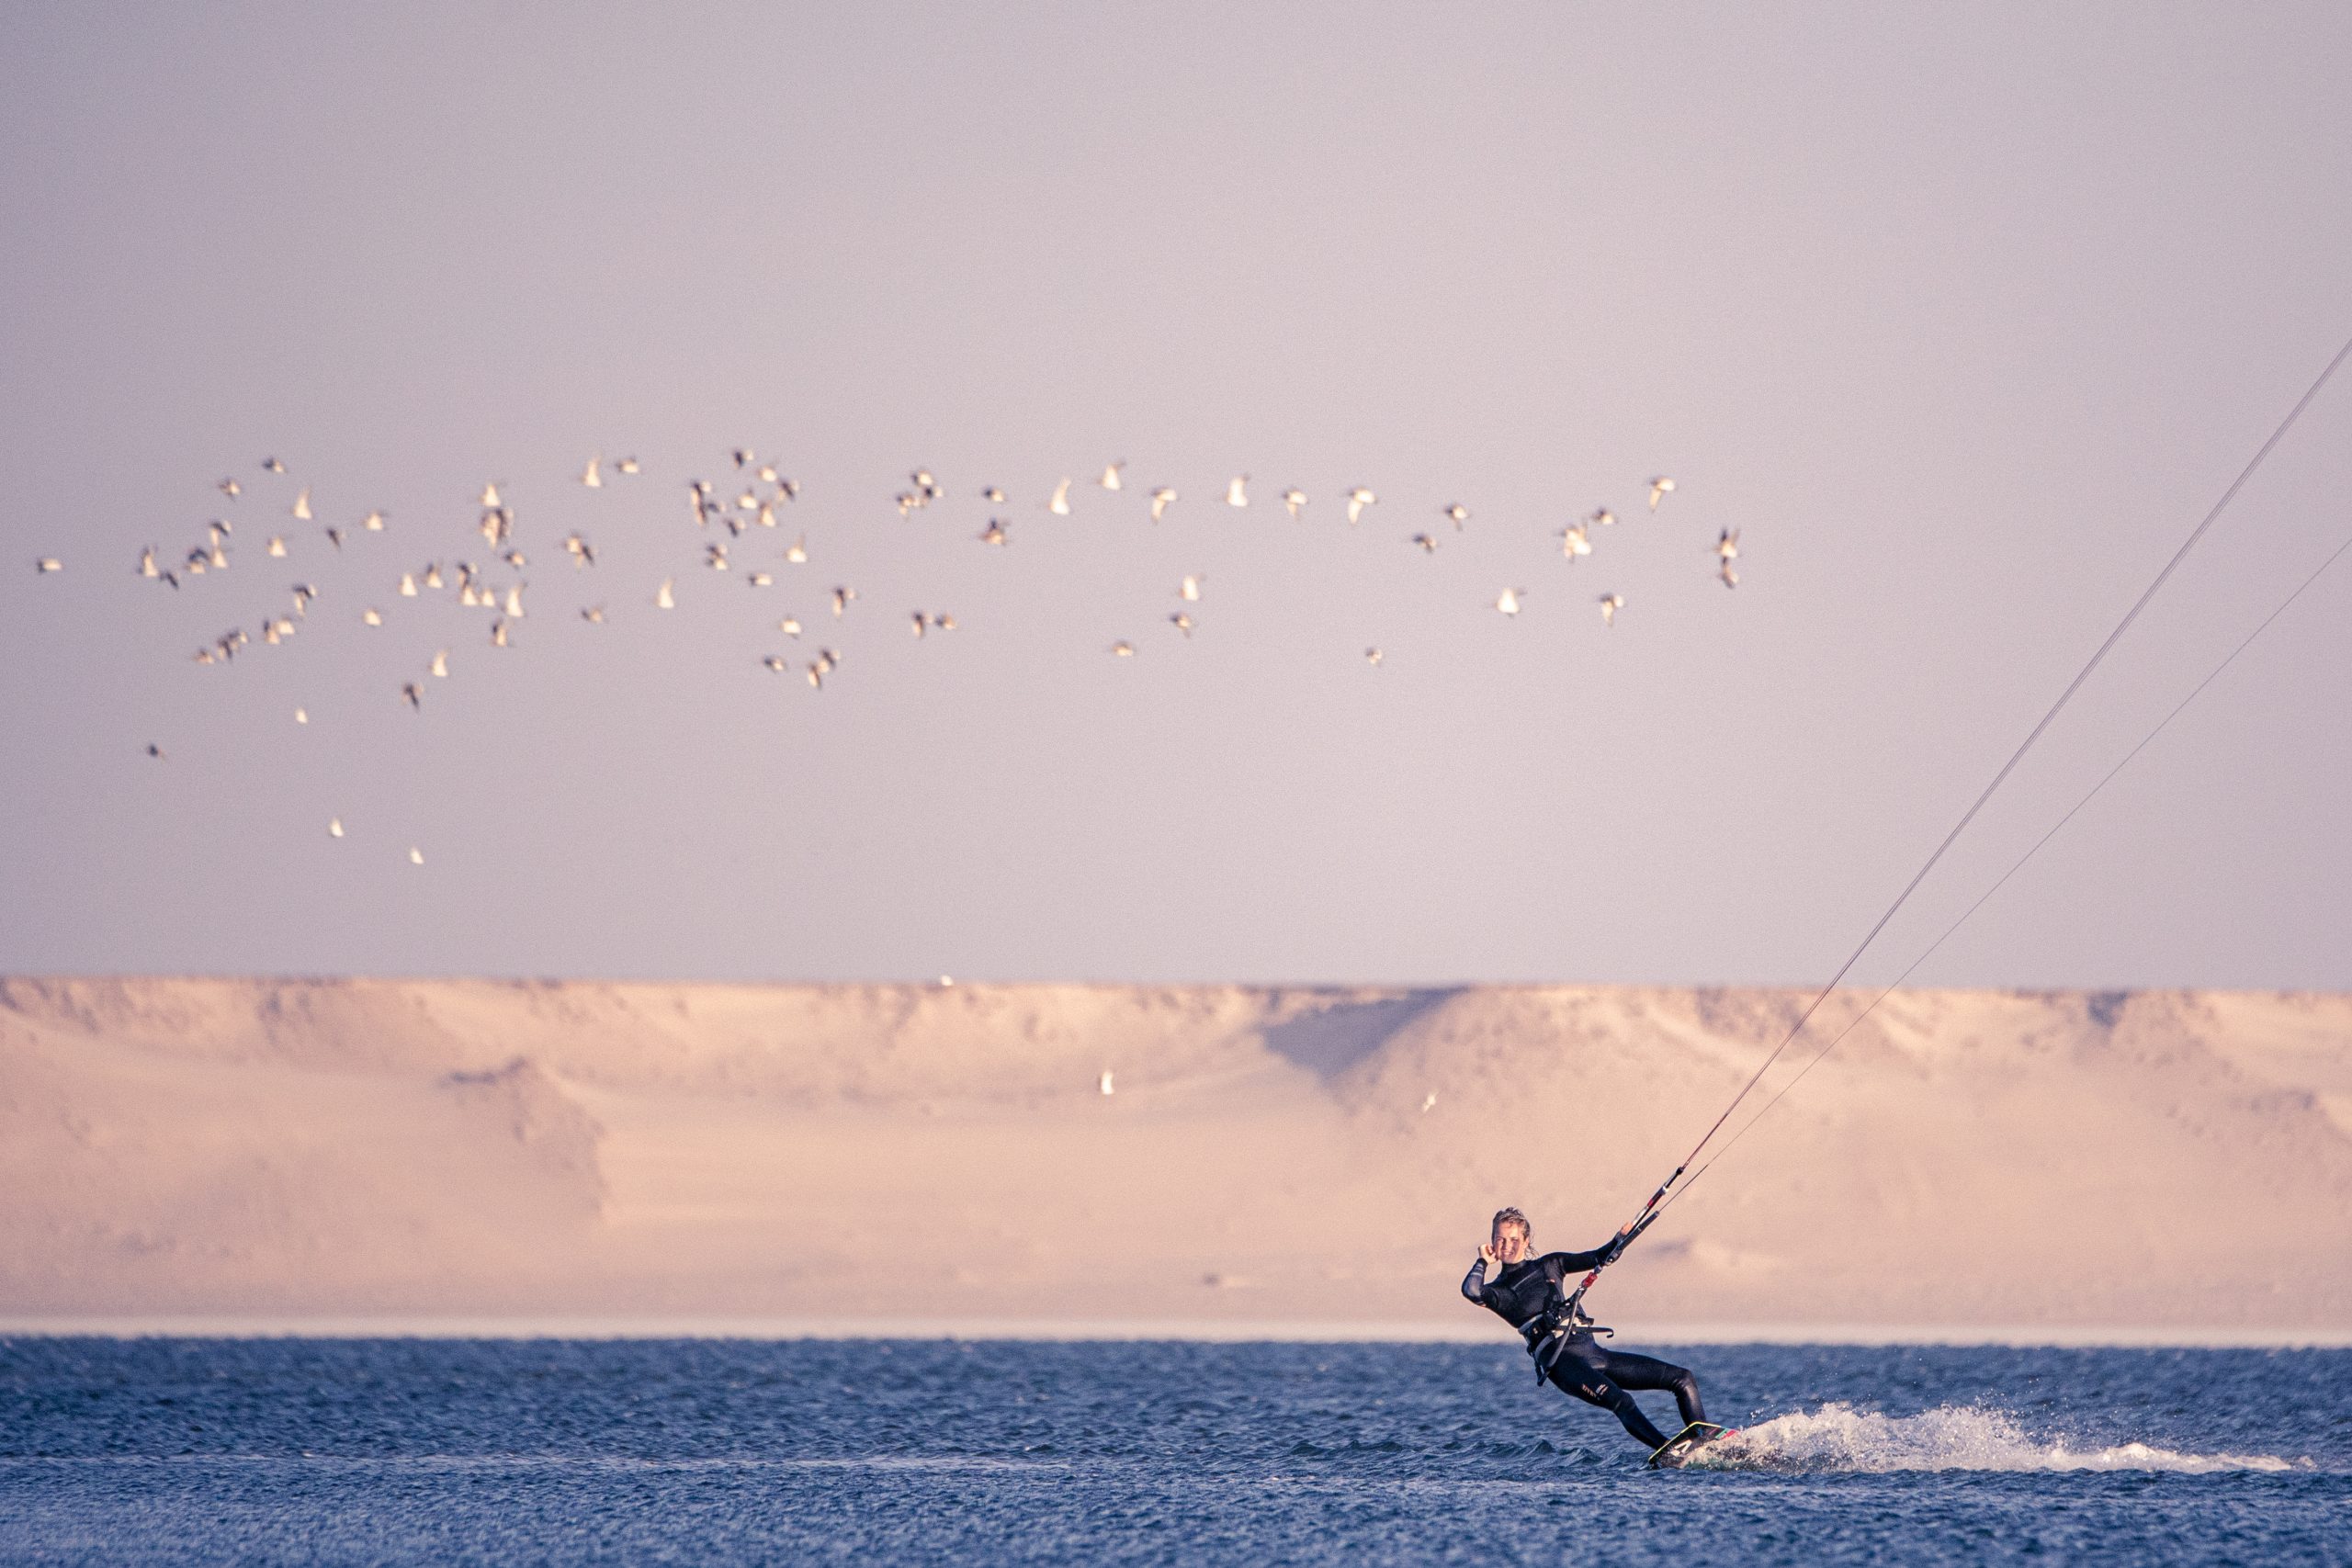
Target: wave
(1838, 1437)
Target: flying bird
(1373, 656)
(272, 465)
(489, 496)
(789, 627)
(147, 562)
(1124, 649)
(1508, 601)
(1727, 543)
(334, 538)
(334, 826)
(1059, 505)
(230, 489)
(301, 508)
(1427, 542)
(373, 523)
(592, 613)
(1236, 493)
(841, 596)
(47, 564)
(1659, 486)
(1729, 576)
(408, 585)
(1573, 541)
(415, 855)
(993, 533)
(1358, 499)
(1601, 517)
(993, 494)
(155, 751)
(1294, 499)
(627, 465)
(1456, 513)
(277, 545)
(662, 599)
(371, 617)
(1191, 587)
(301, 716)
(1182, 622)
(1162, 498)
(590, 476)
(1103, 1083)
(1610, 604)
(441, 664)
(1111, 479)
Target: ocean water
(739, 1451)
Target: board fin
(1676, 1452)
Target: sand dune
(893, 1153)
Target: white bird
(1111, 479)
(841, 596)
(498, 632)
(590, 476)
(1236, 493)
(926, 486)
(923, 622)
(627, 465)
(994, 533)
(993, 494)
(1162, 498)
(408, 585)
(946, 622)
(1429, 1102)
(1182, 622)
(441, 664)
(49, 563)
(1427, 542)
(582, 552)
(1610, 604)
(489, 496)
(432, 575)
(1059, 505)
(744, 456)
(797, 551)
(371, 617)
(415, 855)
(272, 465)
(147, 562)
(1508, 601)
(760, 579)
(776, 663)
(277, 545)
(1457, 514)
(334, 826)
(1373, 656)
(1601, 517)
(1358, 499)
(1293, 499)
(373, 523)
(1573, 541)
(301, 512)
(230, 489)
(715, 556)
(592, 613)
(663, 600)
(789, 627)
(1103, 1083)
(1122, 649)
(1730, 577)
(1660, 486)
(1727, 543)
(817, 677)
(1191, 587)
(301, 716)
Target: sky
(1962, 317)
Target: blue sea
(741, 1451)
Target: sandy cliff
(383, 1147)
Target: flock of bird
(757, 496)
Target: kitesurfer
(1527, 1293)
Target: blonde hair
(1514, 1217)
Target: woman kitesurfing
(1530, 1294)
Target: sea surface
(738, 1451)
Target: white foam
(1838, 1437)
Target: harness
(1553, 1330)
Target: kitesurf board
(1676, 1452)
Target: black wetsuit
(1523, 1293)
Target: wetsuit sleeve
(1474, 1283)
(1577, 1262)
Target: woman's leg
(1629, 1370)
